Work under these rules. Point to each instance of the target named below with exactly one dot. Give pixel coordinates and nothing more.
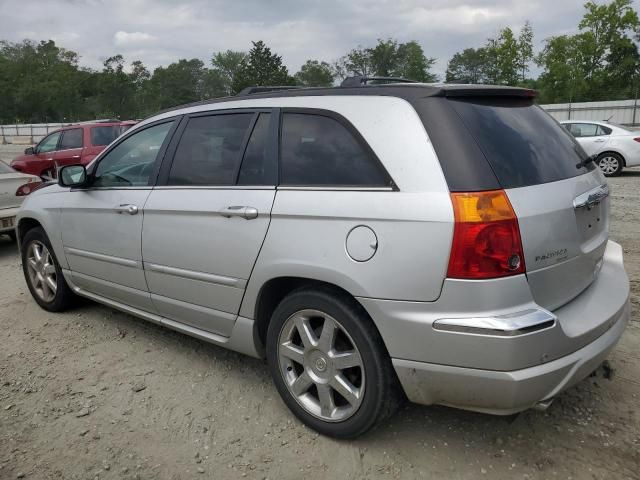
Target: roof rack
(264, 89)
(361, 80)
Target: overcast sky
(159, 32)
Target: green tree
(116, 90)
(261, 67)
(178, 83)
(413, 64)
(525, 50)
(468, 66)
(315, 74)
(226, 66)
(502, 58)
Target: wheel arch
(274, 290)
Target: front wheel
(43, 273)
(329, 363)
(610, 163)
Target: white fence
(624, 112)
(26, 134)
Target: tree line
(44, 82)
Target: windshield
(4, 168)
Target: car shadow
(8, 248)
(635, 172)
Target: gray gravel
(94, 393)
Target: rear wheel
(329, 363)
(610, 163)
(43, 273)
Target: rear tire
(329, 363)
(43, 273)
(610, 164)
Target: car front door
(102, 223)
(70, 147)
(44, 154)
(205, 222)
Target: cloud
(121, 38)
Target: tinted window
(604, 130)
(318, 150)
(71, 139)
(132, 161)
(584, 129)
(210, 150)
(105, 135)
(523, 144)
(258, 166)
(48, 144)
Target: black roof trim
(264, 89)
(407, 91)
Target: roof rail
(266, 88)
(361, 80)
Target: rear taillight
(486, 237)
(27, 188)
(637, 139)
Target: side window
(71, 139)
(48, 144)
(131, 162)
(104, 135)
(603, 130)
(210, 150)
(584, 129)
(318, 150)
(258, 167)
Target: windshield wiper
(587, 161)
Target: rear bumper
(487, 346)
(7, 213)
(504, 393)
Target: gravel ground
(94, 393)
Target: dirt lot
(94, 393)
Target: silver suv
(447, 243)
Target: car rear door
(206, 220)
(561, 203)
(102, 224)
(592, 137)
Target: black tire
(382, 392)
(607, 157)
(64, 297)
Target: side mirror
(29, 151)
(72, 176)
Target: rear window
(522, 144)
(105, 135)
(4, 168)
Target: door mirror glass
(28, 151)
(72, 176)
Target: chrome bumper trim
(510, 325)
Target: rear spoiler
(458, 90)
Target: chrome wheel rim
(321, 366)
(609, 165)
(41, 271)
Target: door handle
(599, 140)
(75, 156)
(248, 213)
(127, 208)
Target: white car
(14, 186)
(613, 146)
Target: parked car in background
(73, 144)
(14, 186)
(614, 146)
(446, 241)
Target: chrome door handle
(127, 208)
(75, 156)
(49, 159)
(248, 213)
(591, 198)
(599, 140)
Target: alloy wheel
(42, 271)
(609, 165)
(321, 365)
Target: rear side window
(210, 150)
(258, 165)
(319, 150)
(105, 135)
(522, 144)
(71, 139)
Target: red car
(73, 144)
